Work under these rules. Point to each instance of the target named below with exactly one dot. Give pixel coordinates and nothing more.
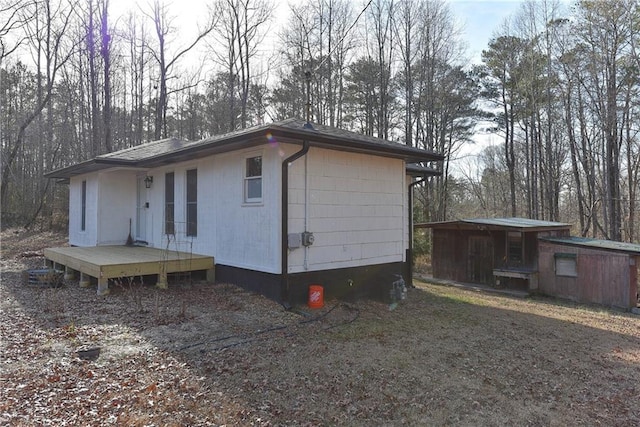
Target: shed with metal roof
(491, 251)
(536, 256)
(590, 270)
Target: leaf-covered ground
(203, 354)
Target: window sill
(253, 204)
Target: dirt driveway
(202, 354)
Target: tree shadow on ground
(217, 353)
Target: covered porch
(111, 262)
(500, 252)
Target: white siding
(356, 210)
(356, 207)
(238, 234)
(111, 202)
(117, 205)
(88, 236)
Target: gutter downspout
(284, 242)
(409, 254)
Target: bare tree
(380, 16)
(605, 29)
(93, 81)
(48, 45)
(408, 33)
(14, 15)
(162, 22)
(105, 52)
(240, 32)
(136, 37)
(504, 59)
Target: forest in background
(558, 87)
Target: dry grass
(422, 265)
(217, 355)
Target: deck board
(126, 261)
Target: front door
(141, 213)
(481, 259)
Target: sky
(478, 18)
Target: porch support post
(103, 285)
(162, 276)
(85, 281)
(69, 273)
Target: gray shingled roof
(173, 150)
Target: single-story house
(536, 256)
(280, 206)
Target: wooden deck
(109, 262)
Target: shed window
(192, 202)
(566, 265)
(169, 203)
(83, 214)
(253, 180)
(514, 247)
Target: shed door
(480, 259)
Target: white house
(279, 206)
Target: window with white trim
(253, 180)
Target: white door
(141, 214)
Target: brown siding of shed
(604, 277)
(448, 257)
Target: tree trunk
(93, 82)
(106, 48)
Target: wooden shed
(590, 270)
(491, 251)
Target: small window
(566, 265)
(169, 203)
(192, 202)
(83, 220)
(253, 180)
(514, 247)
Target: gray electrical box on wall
(307, 238)
(295, 240)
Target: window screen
(169, 203)
(566, 265)
(83, 221)
(192, 202)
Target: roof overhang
(329, 138)
(418, 171)
(597, 244)
(88, 166)
(497, 224)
